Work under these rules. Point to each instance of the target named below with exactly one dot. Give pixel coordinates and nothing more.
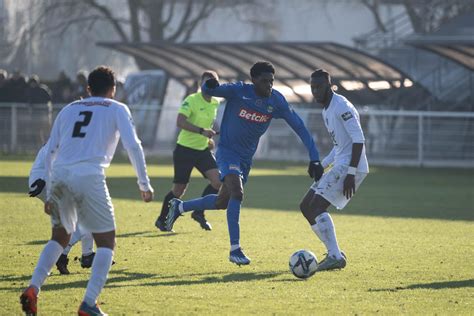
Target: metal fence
(397, 138)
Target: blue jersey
(247, 116)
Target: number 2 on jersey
(80, 124)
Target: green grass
(408, 234)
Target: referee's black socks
(209, 190)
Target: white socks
(87, 243)
(100, 270)
(324, 229)
(76, 236)
(46, 261)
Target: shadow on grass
(8, 278)
(126, 235)
(430, 286)
(147, 234)
(295, 279)
(37, 242)
(119, 278)
(391, 192)
(207, 278)
(151, 234)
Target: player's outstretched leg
(178, 207)
(199, 216)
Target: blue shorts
(229, 162)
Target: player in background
(81, 145)
(349, 169)
(193, 150)
(248, 113)
(37, 185)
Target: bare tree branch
(133, 7)
(206, 10)
(182, 24)
(373, 6)
(168, 19)
(109, 16)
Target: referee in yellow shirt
(193, 149)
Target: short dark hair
(101, 80)
(209, 73)
(321, 73)
(260, 67)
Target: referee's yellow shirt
(200, 113)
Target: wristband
(201, 130)
(352, 170)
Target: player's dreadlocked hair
(100, 80)
(321, 73)
(260, 67)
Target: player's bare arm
(349, 182)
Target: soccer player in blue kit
(248, 113)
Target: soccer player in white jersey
(349, 167)
(37, 184)
(81, 145)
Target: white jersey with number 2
(85, 135)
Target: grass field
(408, 235)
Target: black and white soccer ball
(303, 264)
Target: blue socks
(233, 214)
(207, 202)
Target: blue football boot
(173, 213)
(238, 257)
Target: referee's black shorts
(185, 159)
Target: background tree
(425, 15)
(127, 20)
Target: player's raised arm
(132, 144)
(315, 169)
(213, 88)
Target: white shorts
(331, 185)
(81, 198)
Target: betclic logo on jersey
(254, 116)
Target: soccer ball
(303, 264)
